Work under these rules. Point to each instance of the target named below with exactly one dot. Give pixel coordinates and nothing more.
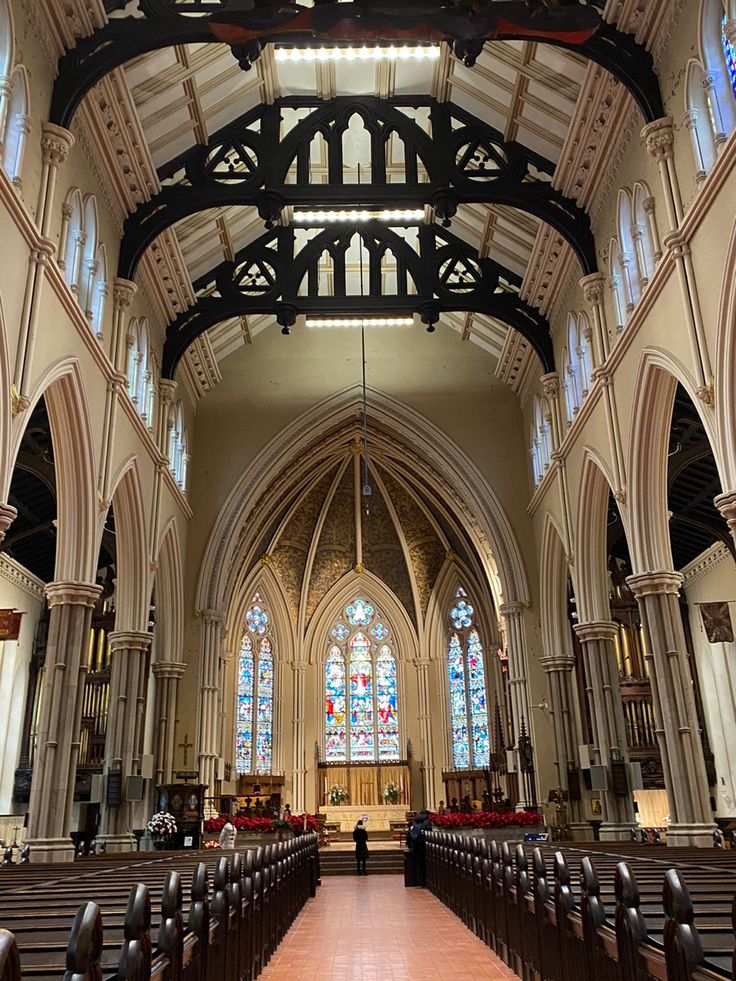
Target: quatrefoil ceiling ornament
(255, 277)
(232, 162)
(481, 160)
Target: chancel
(367, 481)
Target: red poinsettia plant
(260, 825)
(486, 820)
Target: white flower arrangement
(162, 825)
(337, 795)
(391, 793)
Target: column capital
(421, 663)
(8, 514)
(659, 137)
(72, 593)
(166, 390)
(168, 669)
(511, 610)
(134, 640)
(210, 616)
(676, 242)
(596, 630)
(557, 662)
(592, 287)
(298, 667)
(551, 384)
(123, 291)
(655, 583)
(726, 504)
(56, 143)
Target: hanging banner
(717, 622)
(10, 624)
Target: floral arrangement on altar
(337, 795)
(391, 793)
(262, 825)
(486, 819)
(161, 825)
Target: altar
(366, 784)
(379, 816)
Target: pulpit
(185, 801)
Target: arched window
(469, 725)
(541, 447)
(729, 55)
(254, 717)
(178, 456)
(627, 256)
(585, 362)
(17, 126)
(615, 282)
(82, 258)
(648, 252)
(361, 689)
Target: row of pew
(181, 916)
(590, 914)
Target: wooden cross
(186, 746)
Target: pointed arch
(17, 125)
(133, 590)
(7, 38)
(590, 573)
(554, 571)
(725, 367)
(169, 596)
(62, 387)
(651, 413)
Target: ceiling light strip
(360, 321)
(404, 52)
(397, 214)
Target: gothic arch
(262, 580)
(62, 387)
(554, 572)
(651, 414)
(590, 577)
(133, 592)
(465, 492)
(169, 597)
(725, 380)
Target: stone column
(675, 714)
(682, 255)
(709, 80)
(59, 724)
(209, 687)
(726, 504)
(659, 139)
(425, 728)
(299, 757)
(130, 651)
(605, 376)
(650, 211)
(609, 728)
(37, 262)
(559, 669)
(592, 287)
(167, 675)
(517, 679)
(56, 144)
(123, 291)
(166, 393)
(690, 122)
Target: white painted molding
(17, 574)
(704, 564)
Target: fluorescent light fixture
(360, 322)
(325, 217)
(403, 52)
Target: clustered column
(59, 725)
(212, 640)
(425, 728)
(559, 671)
(512, 614)
(167, 675)
(299, 670)
(678, 731)
(130, 651)
(601, 674)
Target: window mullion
(468, 705)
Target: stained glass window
(361, 690)
(254, 723)
(471, 744)
(729, 53)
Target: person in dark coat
(360, 837)
(415, 841)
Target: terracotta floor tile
(373, 929)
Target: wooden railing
(614, 920)
(226, 932)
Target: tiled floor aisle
(373, 929)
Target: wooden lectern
(185, 801)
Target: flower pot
(160, 844)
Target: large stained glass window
(471, 744)
(729, 53)
(254, 722)
(361, 689)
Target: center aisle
(373, 929)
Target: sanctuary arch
(313, 546)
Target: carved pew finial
(84, 950)
(135, 955)
(631, 928)
(9, 958)
(683, 949)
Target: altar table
(379, 816)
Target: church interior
(367, 459)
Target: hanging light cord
(367, 490)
